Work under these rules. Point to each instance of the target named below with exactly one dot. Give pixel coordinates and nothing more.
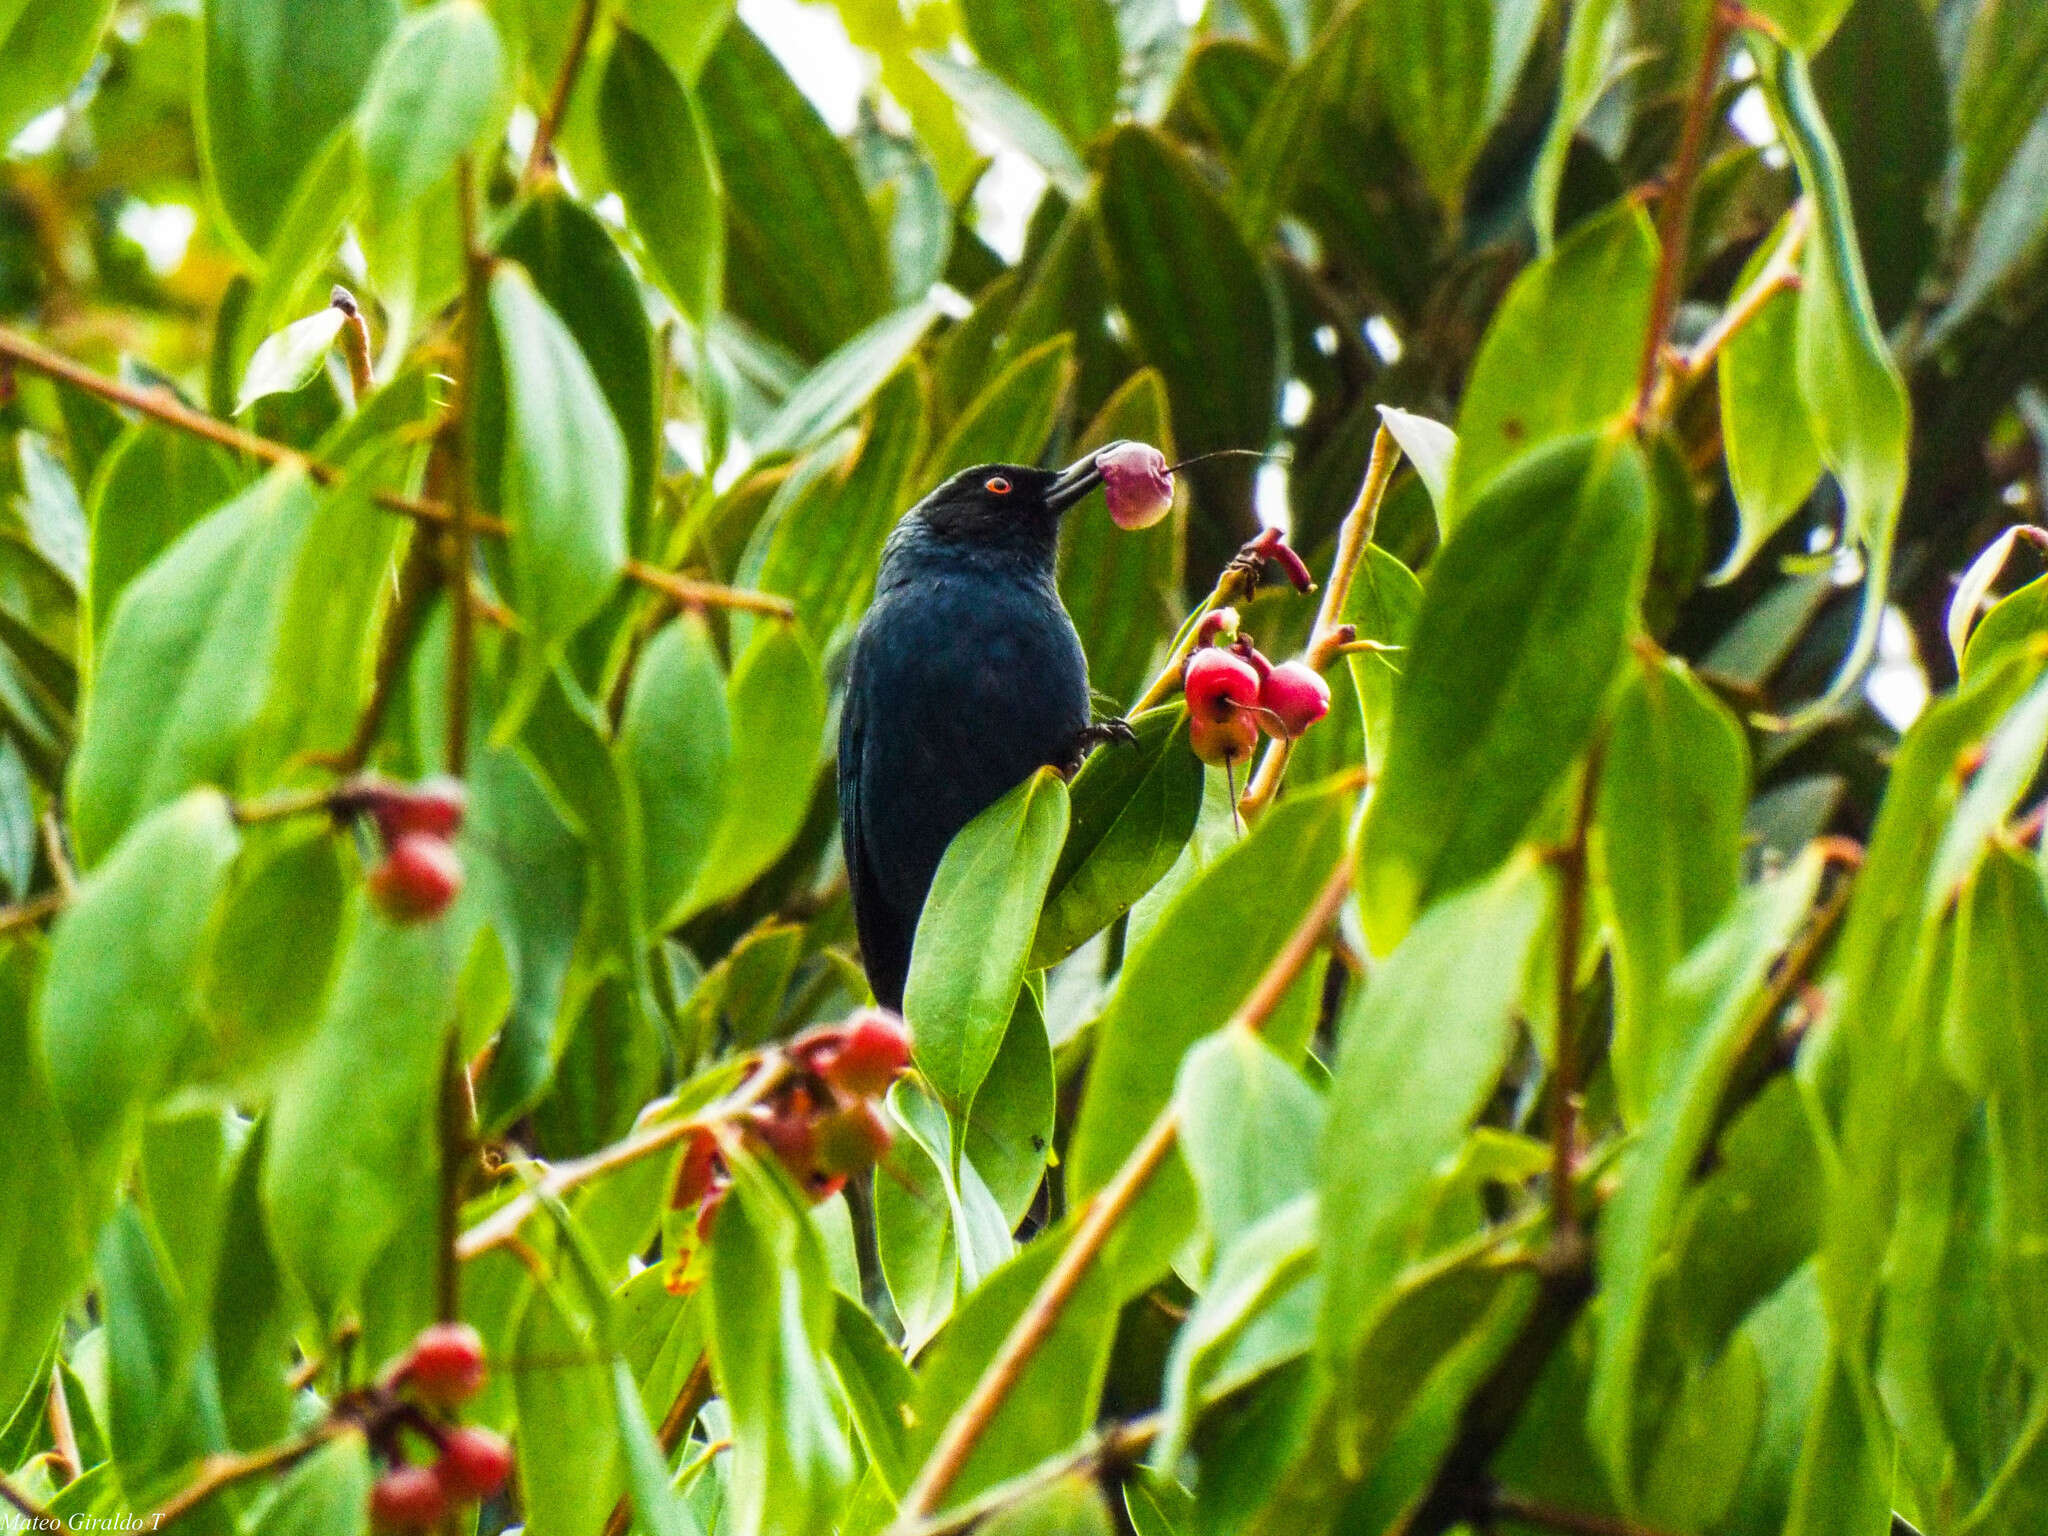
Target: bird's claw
(1101, 734)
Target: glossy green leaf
(843, 382)
(656, 1509)
(1250, 1129)
(250, 1322)
(1773, 459)
(1593, 43)
(804, 263)
(684, 30)
(1194, 968)
(1382, 604)
(1123, 587)
(1072, 1506)
(186, 662)
(1519, 632)
(150, 487)
(1134, 808)
(1435, 67)
(352, 1135)
(276, 81)
(659, 156)
(1200, 311)
(1064, 57)
(46, 46)
(563, 485)
(974, 936)
(569, 1451)
(439, 91)
(1561, 354)
(1673, 783)
(119, 1001)
(1010, 116)
(327, 1494)
(771, 1323)
(1420, 1050)
(776, 701)
(49, 508)
(39, 1189)
(2002, 89)
(1711, 998)
(1430, 446)
(1009, 421)
(676, 741)
(575, 264)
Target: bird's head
(1005, 503)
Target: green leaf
(1010, 420)
(805, 264)
(676, 742)
(269, 964)
(1855, 397)
(684, 30)
(44, 1262)
(1133, 810)
(250, 1326)
(151, 486)
(352, 1132)
(2002, 89)
(843, 382)
(659, 156)
(1773, 459)
(1123, 588)
(821, 539)
(878, 1389)
(1382, 604)
(439, 92)
(1711, 999)
(186, 662)
(119, 1002)
(1673, 785)
(656, 1509)
(1420, 1049)
(1430, 446)
(576, 265)
(1592, 48)
(1434, 62)
(277, 80)
(1194, 968)
(327, 1494)
(569, 1450)
(1010, 116)
(1562, 351)
(1072, 1506)
(49, 509)
(1201, 311)
(1519, 632)
(771, 1305)
(563, 485)
(776, 701)
(1065, 57)
(967, 962)
(1249, 1128)
(149, 1349)
(45, 47)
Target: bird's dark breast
(961, 685)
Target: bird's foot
(1101, 734)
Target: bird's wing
(885, 948)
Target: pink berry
(1135, 483)
(409, 1499)
(474, 1464)
(1294, 697)
(1223, 743)
(418, 877)
(871, 1054)
(1218, 625)
(446, 1366)
(1219, 685)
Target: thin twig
(355, 343)
(1099, 1218)
(542, 155)
(690, 1400)
(69, 1463)
(218, 1472)
(1564, 1082)
(1780, 273)
(1674, 215)
(34, 910)
(458, 1153)
(454, 443)
(1329, 636)
(691, 593)
(1515, 1506)
(498, 1228)
(1120, 1445)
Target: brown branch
(695, 1393)
(1099, 1218)
(454, 443)
(1330, 634)
(688, 592)
(1779, 274)
(63, 1434)
(219, 1472)
(1674, 214)
(1109, 1450)
(1564, 1090)
(61, 869)
(542, 156)
(355, 343)
(456, 1114)
(34, 910)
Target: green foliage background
(1661, 1138)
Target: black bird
(966, 677)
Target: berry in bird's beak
(1292, 698)
(1136, 484)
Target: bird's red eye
(998, 485)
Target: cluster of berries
(822, 1122)
(443, 1370)
(1232, 691)
(415, 825)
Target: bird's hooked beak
(1076, 481)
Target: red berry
(784, 1127)
(1224, 743)
(1135, 483)
(446, 1366)
(1219, 685)
(434, 806)
(1294, 697)
(417, 879)
(409, 1499)
(852, 1137)
(474, 1463)
(872, 1052)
